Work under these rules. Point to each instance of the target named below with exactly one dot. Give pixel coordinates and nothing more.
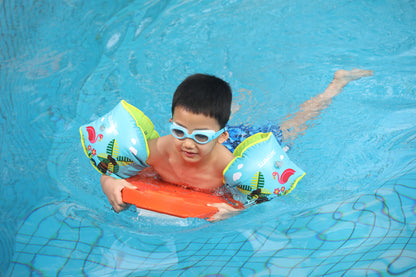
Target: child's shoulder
(224, 156)
(158, 148)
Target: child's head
(204, 94)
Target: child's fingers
(224, 211)
(117, 201)
(128, 185)
(118, 207)
(223, 207)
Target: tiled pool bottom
(367, 235)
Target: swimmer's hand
(112, 188)
(224, 211)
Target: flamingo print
(285, 175)
(91, 135)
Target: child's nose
(188, 142)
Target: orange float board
(156, 195)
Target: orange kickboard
(156, 195)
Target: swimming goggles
(199, 136)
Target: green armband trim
(142, 121)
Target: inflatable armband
(116, 143)
(261, 170)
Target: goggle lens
(177, 133)
(201, 138)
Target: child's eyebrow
(177, 123)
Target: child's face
(188, 149)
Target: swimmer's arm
(112, 188)
(296, 124)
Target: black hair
(205, 94)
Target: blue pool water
(66, 63)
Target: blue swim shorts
(241, 132)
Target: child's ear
(223, 137)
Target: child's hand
(224, 211)
(112, 188)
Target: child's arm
(295, 124)
(112, 188)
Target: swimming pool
(66, 63)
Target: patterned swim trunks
(241, 132)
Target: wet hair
(204, 94)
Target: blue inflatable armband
(117, 142)
(261, 169)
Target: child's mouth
(189, 154)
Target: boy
(194, 154)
